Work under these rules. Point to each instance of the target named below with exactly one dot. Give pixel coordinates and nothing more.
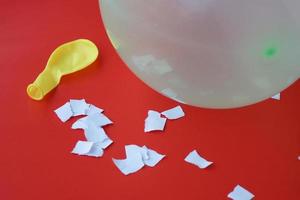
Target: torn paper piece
(153, 113)
(152, 157)
(93, 109)
(133, 161)
(136, 158)
(95, 134)
(79, 107)
(154, 122)
(239, 193)
(276, 97)
(174, 113)
(98, 119)
(79, 124)
(64, 112)
(196, 159)
(95, 151)
(82, 147)
(105, 143)
(85, 148)
(144, 152)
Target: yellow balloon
(66, 59)
(208, 53)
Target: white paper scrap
(95, 134)
(153, 113)
(99, 119)
(82, 147)
(136, 158)
(154, 122)
(93, 109)
(133, 161)
(105, 143)
(276, 97)
(194, 158)
(80, 124)
(64, 112)
(144, 152)
(239, 193)
(86, 148)
(152, 157)
(95, 151)
(174, 113)
(79, 107)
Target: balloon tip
(35, 92)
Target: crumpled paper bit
(64, 113)
(240, 193)
(79, 107)
(95, 134)
(154, 122)
(174, 113)
(98, 119)
(76, 107)
(86, 148)
(92, 126)
(93, 109)
(136, 158)
(195, 159)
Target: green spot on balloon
(270, 52)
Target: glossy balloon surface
(208, 53)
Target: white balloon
(208, 53)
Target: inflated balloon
(208, 53)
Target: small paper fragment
(152, 157)
(95, 134)
(95, 151)
(195, 159)
(79, 124)
(85, 148)
(174, 113)
(240, 193)
(64, 112)
(93, 109)
(79, 107)
(99, 119)
(82, 147)
(154, 122)
(105, 143)
(133, 161)
(136, 158)
(276, 97)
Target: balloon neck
(42, 85)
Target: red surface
(255, 146)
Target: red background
(256, 146)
